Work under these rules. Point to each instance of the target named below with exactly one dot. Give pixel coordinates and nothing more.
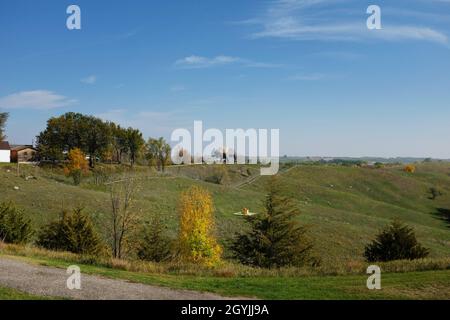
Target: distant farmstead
(5, 152)
(23, 153)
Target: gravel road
(48, 281)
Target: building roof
(4, 145)
(15, 147)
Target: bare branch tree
(124, 216)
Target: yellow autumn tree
(77, 166)
(196, 240)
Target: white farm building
(5, 152)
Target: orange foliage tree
(196, 241)
(410, 168)
(77, 166)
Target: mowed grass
(12, 294)
(344, 207)
(408, 285)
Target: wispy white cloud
(37, 99)
(89, 80)
(177, 88)
(308, 77)
(298, 20)
(197, 62)
(204, 62)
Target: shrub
(14, 227)
(434, 193)
(155, 245)
(73, 232)
(77, 166)
(410, 168)
(196, 242)
(219, 175)
(395, 242)
(275, 239)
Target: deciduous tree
(124, 217)
(77, 166)
(158, 152)
(196, 241)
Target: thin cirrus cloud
(89, 80)
(300, 20)
(308, 77)
(36, 99)
(199, 62)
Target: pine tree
(73, 232)
(276, 239)
(155, 244)
(14, 227)
(396, 242)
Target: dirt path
(47, 281)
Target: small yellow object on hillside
(245, 212)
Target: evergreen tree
(276, 239)
(73, 232)
(14, 227)
(396, 242)
(155, 245)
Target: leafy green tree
(97, 138)
(395, 242)
(73, 232)
(74, 130)
(14, 227)
(135, 143)
(3, 119)
(158, 152)
(119, 141)
(276, 239)
(155, 244)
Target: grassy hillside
(343, 206)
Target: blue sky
(308, 67)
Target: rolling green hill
(343, 206)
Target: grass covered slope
(344, 206)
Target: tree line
(100, 141)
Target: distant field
(344, 207)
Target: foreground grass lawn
(12, 294)
(410, 285)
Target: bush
(219, 175)
(410, 168)
(275, 239)
(73, 232)
(196, 242)
(14, 227)
(155, 245)
(395, 242)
